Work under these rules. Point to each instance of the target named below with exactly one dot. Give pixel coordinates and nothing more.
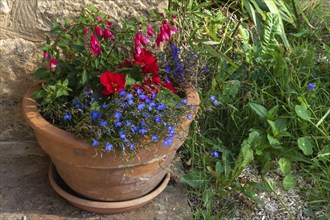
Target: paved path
(25, 193)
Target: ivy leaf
(305, 145)
(302, 112)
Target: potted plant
(112, 105)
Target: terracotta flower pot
(103, 176)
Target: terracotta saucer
(100, 206)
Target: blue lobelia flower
(189, 116)
(130, 102)
(214, 154)
(157, 119)
(311, 86)
(103, 123)
(168, 69)
(95, 143)
(153, 96)
(143, 131)
(154, 138)
(118, 124)
(130, 96)
(122, 93)
(95, 114)
(118, 115)
(67, 116)
(140, 106)
(167, 141)
(131, 147)
(161, 107)
(185, 101)
(108, 146)
(105, 105)
(128, 123)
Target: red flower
(113, 82)
(169, 86)
(86, 31)
(95, 46)
(125, 63)
(98, 31)
(147, 61)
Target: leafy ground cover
(262, 138)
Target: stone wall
(23, 24)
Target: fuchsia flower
(150, 31)
(107, 34)
(95, 46)
(166, 31)
(113, 82)
(53, 63)
(109, 23)
(46, 54)
(86, 31)
(98, 18)
(139, 38)
(98, 31)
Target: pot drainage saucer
(103, 207)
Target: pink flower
(98, 31)
(98, 18)
(166, 31)
(53, 64)
(139, 38)
(150, 31)
(109, 24)
(95, 46)
(174, 16)
(107, 34)
(46, 54)
(86, 31)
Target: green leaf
(305, 145)
(302, 112)
(40, 73)
(218, 168)
(78, 48)
(273, 141)
(259, 109)
(39, 94)
(84, 78)
(211, 42)
(130, 81)
(289, 181)
(47, 40)
(193, 179)
(285, 165)
(169, 98)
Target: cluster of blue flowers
(125, 118)
(214, 100)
